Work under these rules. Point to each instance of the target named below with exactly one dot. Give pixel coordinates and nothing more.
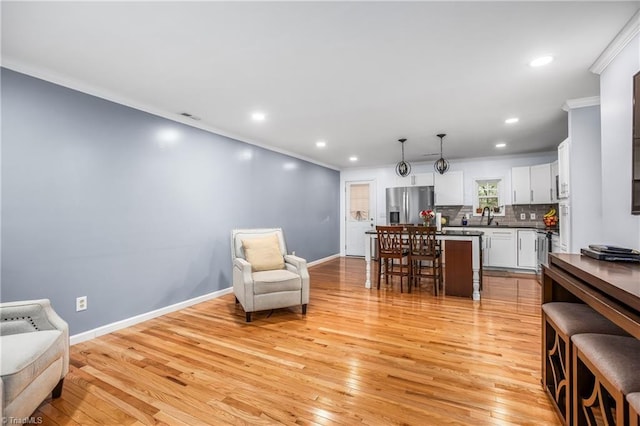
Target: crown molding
(581, 103)
(626, 34)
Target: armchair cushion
(264, 254)
(37, 351)
(265, 282)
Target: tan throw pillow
(263, 253)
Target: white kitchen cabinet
(527, 249)
(541, 191)
(531, 185)
(502, 250)
(521, 185)
(565, 227)
(449, 189)
(416, 179)
(554, 177)
(563, 169)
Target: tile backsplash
(511, 217)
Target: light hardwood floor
(359, 356)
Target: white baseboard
(324, 259)
(119, 325)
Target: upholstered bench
(606, 369)
(634, 408)
(560, 321)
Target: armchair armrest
(33, 315)
(296, 261)
(243, 283)
(299, 266)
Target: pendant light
(441, 165)
(403, 168)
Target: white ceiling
(358, 75)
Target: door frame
(373, 204)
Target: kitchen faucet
(489, 218)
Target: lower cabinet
(527, 249)
(502, 248)
(510, 248)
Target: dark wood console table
(610, 288)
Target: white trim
(116, 98)
(626, 34)
(324, 259)
(119, 325)
(128, 322)
(581, 103)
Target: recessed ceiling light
(541, 61)
(353, 158)
(258, 116)
(512, 120)
(321, 144)
(501, 145)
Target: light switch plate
(523, 216)
(532, 216)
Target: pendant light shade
(403, 168)
(441, 165)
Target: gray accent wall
(134, 210)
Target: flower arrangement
(427, 215)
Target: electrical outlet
(532, 216)
(523, 216)
(81, 303)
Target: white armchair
(34, 358)
(264, 275)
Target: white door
(360, 213)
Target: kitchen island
(473, 237)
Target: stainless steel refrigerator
(405, 203)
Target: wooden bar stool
(560, 321)
(424, 256)
(393, 252)
(634, 408)
(606, 369)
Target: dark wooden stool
(560, 321)
(606, 369)
(634, 408)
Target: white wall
(586, 177)
(475, 168)
(620, 227)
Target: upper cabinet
(532, 185)
(449, 189)
(554, 182)
(416, 179)
(520, 185)
(563, 169)
(541, 186)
